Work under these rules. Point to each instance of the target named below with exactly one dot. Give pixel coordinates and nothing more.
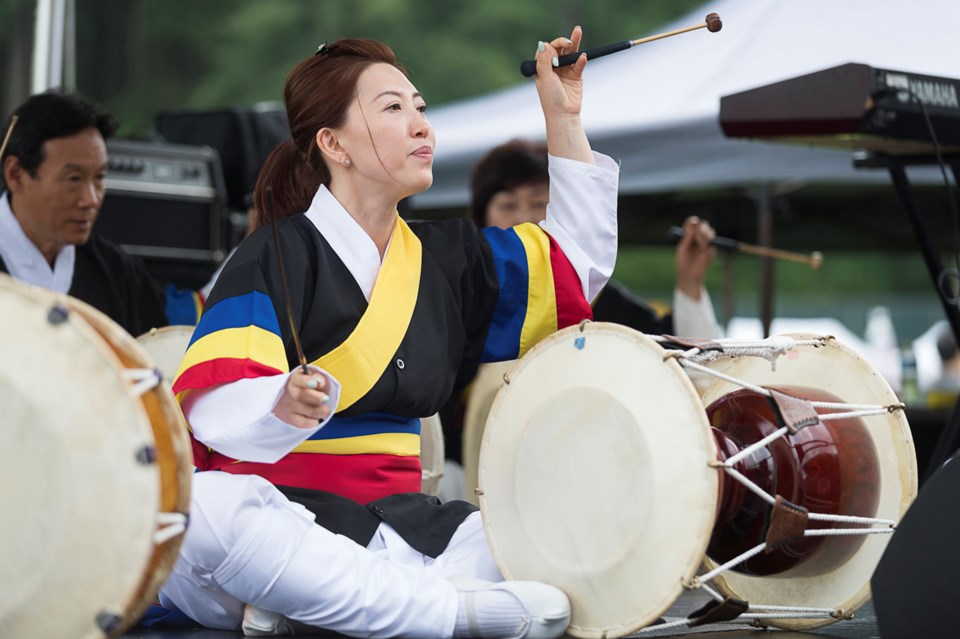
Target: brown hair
(317, 94)
(505, 167)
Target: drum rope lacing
(169, 525)
(770, 349)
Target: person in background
(314, 514)
(54, 172)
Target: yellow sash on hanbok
(362, 358)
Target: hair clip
(323, 48)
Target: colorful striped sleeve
(539, 291)
(238, 337)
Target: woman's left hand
(560, 88)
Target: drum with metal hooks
(602, 474)
(166, 347)
(98, 464)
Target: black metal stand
(949, 440)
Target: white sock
(489, 614)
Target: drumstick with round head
(711, 23)
(813, 260)
(6, 138)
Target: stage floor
(862, 626)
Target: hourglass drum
(605, 473)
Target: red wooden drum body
(829, 467)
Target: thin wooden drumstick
(813, 260)
(703, 25)
(711, 23)
(6, 138)
(283, 285)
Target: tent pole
(48, 45)
(765, 239)
(69, 80)
(729, 306)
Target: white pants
(247, 543)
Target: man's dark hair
(48, 116)
(505, 167)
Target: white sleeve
(692, 318)
(582, 217)
(220, 418)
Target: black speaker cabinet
(915, 583)
(166, 203)
(244, 137)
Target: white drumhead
(482, 391)
(837, 369)
(79, 509)
(432, 454)
(594, 476)
(166, 347)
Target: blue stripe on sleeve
(251, 309)
(510, 261)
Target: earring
(347, 162)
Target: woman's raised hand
(560, 88)
(561, 96)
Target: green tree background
(142, 57)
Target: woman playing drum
(386, 313)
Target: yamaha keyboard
(852, 106)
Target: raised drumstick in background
(6, 138)
(813, 260)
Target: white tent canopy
(655, 106)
